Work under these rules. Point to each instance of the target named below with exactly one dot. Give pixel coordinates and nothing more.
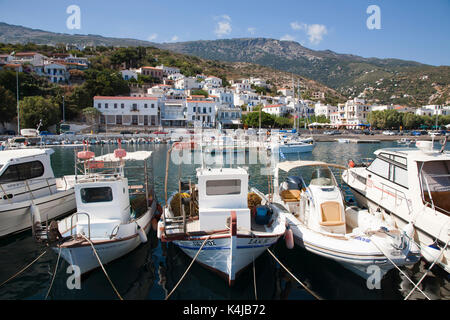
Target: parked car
(126, 132)
(368, 132)
(46, 133)
(389, 133)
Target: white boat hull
(356, 254)
(296, 148)
(16, 217)
(227, 255)
(80, 253)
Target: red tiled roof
(123, 98)
(202, 101)
(25, 53)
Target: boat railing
(76, 214)
(398, 195)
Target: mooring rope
(103, 268)
(426, 272)
(295, 278)
(189, 267)
(254, 280)
(401, 271)
(54, 274)
(24, 268)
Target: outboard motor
(293, 183)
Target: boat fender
(155, 223)
(142, 234)
(351, 164)
(289, 237)
(431, 253)
(160, 229)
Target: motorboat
(291, 145)
(27, 183)
(324, 224)
(405, 141)
(409, 186)
(213, 222)
(112, 218)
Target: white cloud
(251, 30)
(316, 33)
(287, 37)
(152, 37)
(174, 38)
(223, 27)
(298, 26)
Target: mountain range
(377, 80)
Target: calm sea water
(152, 270)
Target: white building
(201, 111)
(324, 110)
(222, 96)
(34, 58)
(128, 110)
(433, 109)
(352, 113)
(167, 71)
(129, 74)
(228, 116)
(79, 60)
(276, 109)
(188, 83)
(247, 98)
(241, 86)
(56, 73)
(286, 92)
(259, 82)
(175, 76)
(214, 82)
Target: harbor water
(153, 269)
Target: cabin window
(22, 171)
(435, 179)
(379, 167)
(223, 187)
(97, 194)
(399, 176)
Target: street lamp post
(18, 111)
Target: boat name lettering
(362, 239)
(258, 241)
(208, 243)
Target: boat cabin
(24, 170)
(221, 191)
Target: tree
(199, 93)
(252, 119)
(7, 105)
(91, 115)
(34, 109)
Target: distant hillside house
(79, 60)
(56, 73)
(5, 58)
(33, 58)
(432, 110)
(286, 92)
(152, 72)
(128, 111)
(167, 71)
(276, 109)
(129, 74)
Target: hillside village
(170, 96)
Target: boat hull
(296, 148)
(16, 217)
(227, 255)
(80, 253)
(357, 254)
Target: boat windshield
(322, 177)
(436, 184)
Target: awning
(289, 165)
(131, 156)
(226, 121)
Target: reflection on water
(153, 269)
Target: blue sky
(410, 30)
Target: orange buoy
(289, 237)
(351, 164)
(85, 155)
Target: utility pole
(64, 111)
(18, 110)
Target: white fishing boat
(109, 217)
(27, 183)
(409, 186)
(291, 145)
(323, 224)
(342, 140)
(212, 222)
